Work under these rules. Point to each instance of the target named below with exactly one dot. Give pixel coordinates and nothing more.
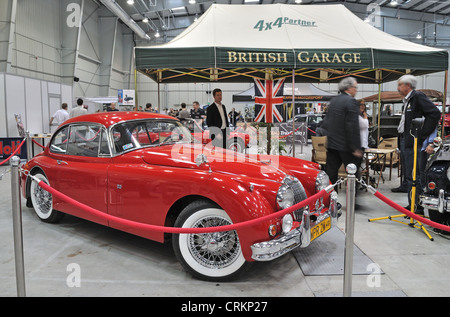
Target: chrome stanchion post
(349, 229)
(17, 226)
(29, 146)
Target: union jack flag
(268, 100)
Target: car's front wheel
(213, 256)
(42, 201)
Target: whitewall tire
(210, 256)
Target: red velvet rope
(14, 153)
(134, 224)
(410, 214)
(38, 144)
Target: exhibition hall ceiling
(162, 20)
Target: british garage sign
(295, 58)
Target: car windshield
(152, 132)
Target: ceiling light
(418, 36)
(298, 1)
(246, 1)
(192, 1)
(130, 1)
(393, 3)
(145, 20)
(157, 34)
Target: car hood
(228, 162)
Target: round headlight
(287, 223)
(285, 197)
(322, 181)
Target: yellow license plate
(320, 228)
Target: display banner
(269, 100)
(126, 97)
(9, 145)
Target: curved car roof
(109, 118)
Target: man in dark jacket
(342, 126)
(416, 105)
(217, 120)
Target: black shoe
(399, 190)
(420, 212)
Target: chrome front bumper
(301, 236)
(439, 203)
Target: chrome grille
(299, 195)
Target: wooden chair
(391, 143)
(319, 149)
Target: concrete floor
(113, 263)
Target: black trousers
(335, 159)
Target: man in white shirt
(60, 116)
(78, 110)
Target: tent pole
(159, 99)
(379, 112)
(293, 112)
(444, 103)
(135, 91)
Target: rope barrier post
(29, 146)
(17, 226)
(349, 229)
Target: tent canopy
(303, 92)
(322, 43)
(396, 97)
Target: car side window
(59, 142)
(84, 140)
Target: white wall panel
(15, 102)
(33, 102)
(3, 121)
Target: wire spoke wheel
(42, 201)
(214, 250)
(215, 256)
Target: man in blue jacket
(342, 126)
(416, 105)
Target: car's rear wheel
(42, 201)
(208, 256)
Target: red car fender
(242, 204)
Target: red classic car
(145, 169)
(237, 141)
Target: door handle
(62, 162)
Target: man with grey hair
(415, 105)
(342, 126)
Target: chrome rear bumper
(439, 203)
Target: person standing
(217, 120)
(342, 125)
(113, 107)
(184, 114)
(363, 126)
(233, 115)
(61, 115)
(79, 110)
(416, 105)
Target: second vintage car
(146, 169)
(436, 190)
